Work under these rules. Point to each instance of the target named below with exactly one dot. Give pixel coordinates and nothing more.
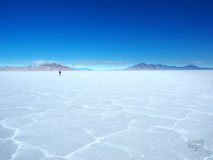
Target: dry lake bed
(106, 115)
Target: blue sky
(107, 33)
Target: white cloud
(40, 62)
(196, 62)
(187, 62)
(78, 66)
(100, 62)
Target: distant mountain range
(57, 67)
(43, 67)
(144, 66)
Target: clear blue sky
(106, 33)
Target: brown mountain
(43, 67)
(144, 66)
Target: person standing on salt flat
(59, 72)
